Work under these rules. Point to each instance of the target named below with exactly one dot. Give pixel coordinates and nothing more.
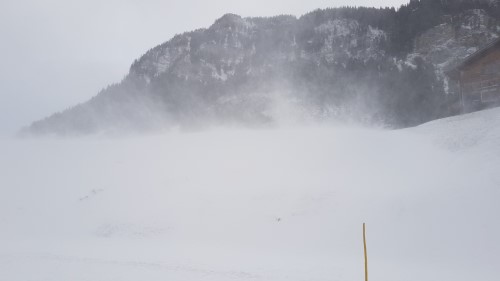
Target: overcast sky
(57, 53)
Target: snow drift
(282, 204)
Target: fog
(58, 53)
(241, 162)
(334, 64)
(267, 204)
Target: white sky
(56, 53)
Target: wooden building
(478, 77)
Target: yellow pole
(366, 256)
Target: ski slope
(276, 204)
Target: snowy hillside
(377, 66)
(283, 204)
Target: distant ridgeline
(376, 66)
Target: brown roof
(453, 71)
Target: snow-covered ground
(283, 204)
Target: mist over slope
(284, 204)
(373, 66)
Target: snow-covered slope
(284, 204)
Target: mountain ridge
(338, 63)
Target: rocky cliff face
(330, 64)
(250, 46)
(454, 39)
